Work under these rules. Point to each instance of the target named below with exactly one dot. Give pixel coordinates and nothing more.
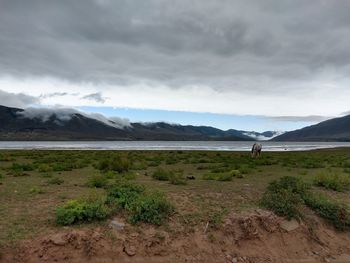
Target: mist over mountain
(70, 124)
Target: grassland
(201, 186)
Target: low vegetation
(82, 210)
(98, 181)
(333, 180)
(288, 196)
(148, 186)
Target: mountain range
(20, 124)
(68, 124)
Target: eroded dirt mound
(72, 246)
(256, 236)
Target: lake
(170, 145)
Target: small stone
(117, 225)
(58, 240)
(289, 225)
(130, 250)
(234, 260)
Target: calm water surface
(171, 145)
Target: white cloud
(323, 101)
(65, 114)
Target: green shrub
(123, 194)
(151, 208)
(285, 196)
(139, 165)
(236, 173)
(55, 180)
(120, 165)
(283, 202)
(224, 177)
(245, 169)
(292, 184)
(62, 166)
(333, 180)
(171, 160)
(80, 211)
(110, 174)
(130, 176)
(98, 181)
(114, 164)
(335, 212)
(161, 175)
(22, 167)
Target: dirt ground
(256, 236)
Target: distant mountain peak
(337, 129)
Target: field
(192, 205)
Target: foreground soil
(254, 237)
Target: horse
(256, 150)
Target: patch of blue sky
(221, 121)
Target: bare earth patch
(255, 236)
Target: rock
(117, 225)
(130, 250)
(234, 260)
(58, 240)
(289, 225)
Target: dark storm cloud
(251, 46)
(95, 97)
(18, 100)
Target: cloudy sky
(246, 64)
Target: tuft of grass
(44, 168)
(332, 180)
(116, 164)
(236, 173)
(55, 180)
(177, 178)
(223, 177)
(161, 174)
(36, 190)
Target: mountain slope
(16, 125)
(337, 129)
(13, 126)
